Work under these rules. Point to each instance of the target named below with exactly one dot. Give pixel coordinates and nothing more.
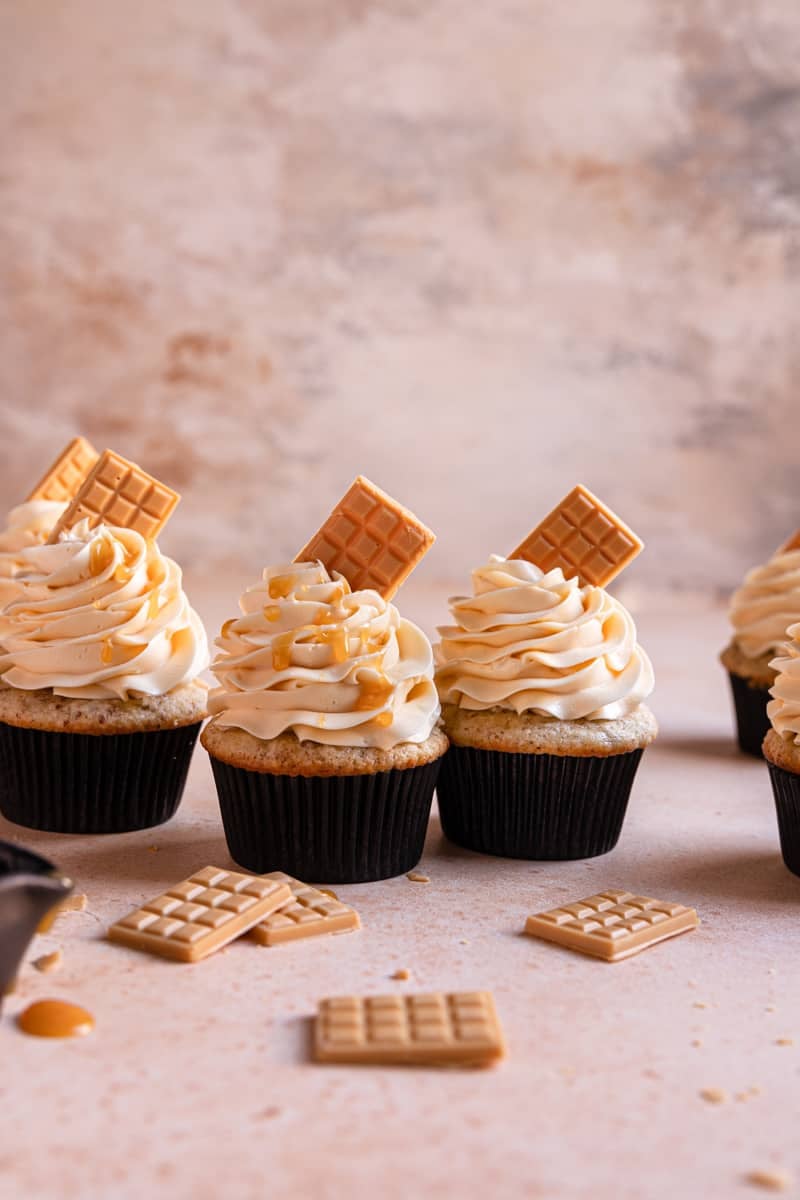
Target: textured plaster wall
(476, 251)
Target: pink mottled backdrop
(476, 251)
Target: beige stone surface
(197, 1082)
(477, 251)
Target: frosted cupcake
(100, 701)
(27, 525)
(324, 739)
(761, 611)
(542, 684)
(782, 746)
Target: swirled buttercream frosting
(28, 524)
(784, 709)
(766, 604)
(309, 655)
(540, 643)
(102, 614)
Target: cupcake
(324, 739)
(27, 525)
(542, 685)
(782, 746)
(761, 611)
(100, 701)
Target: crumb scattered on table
(784, 1041)
(697, 1041)
(417, 877)
(153, 849)
(713, 1095)
(401, 973)
(48, 962)
(770, 1181)
(700, 1004)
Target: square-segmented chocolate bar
(370, 539)
(583, 537)
(437, 1029)
(613, 924)
(309, 913)
(196, 917)
(118, 492)
(64, 477)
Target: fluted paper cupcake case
(93, 783)
(786, 789)
(750, 705)
(326, 829)
(534, 806)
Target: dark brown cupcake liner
(337, 829)
(786, 789)
(534, 806)
(93, 783)
(750, 706)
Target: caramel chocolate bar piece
(370, 539)
(63, 478)
(195, 918)
(583, 537)
(118, 492)
(612, 925)
(309, 913)
(440, 1029)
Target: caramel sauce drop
(227, 627)
(281, 586)
(272, 612)
(55, 1019)
(383, 720)
(101, 555)
(123, 574)
(107, 653)
(152, 606)
(374, 693)
(282, 651)
(336, 638)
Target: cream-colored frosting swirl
(535, 642)
(766, 604)
(338, 667)
(784, 709)
(28, 524)
(102, 614)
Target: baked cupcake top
(784, 709)
(766, 604)
(537, 642)
(309, 655)
(27, 525)
(102, 615)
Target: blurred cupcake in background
(761, 611)
(782, 746)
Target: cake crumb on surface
(784, 1041)
(48, 962)
(714, 1095)
(417, 877)
(401, 973)
(770, 1181)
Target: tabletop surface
(197, 1080)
